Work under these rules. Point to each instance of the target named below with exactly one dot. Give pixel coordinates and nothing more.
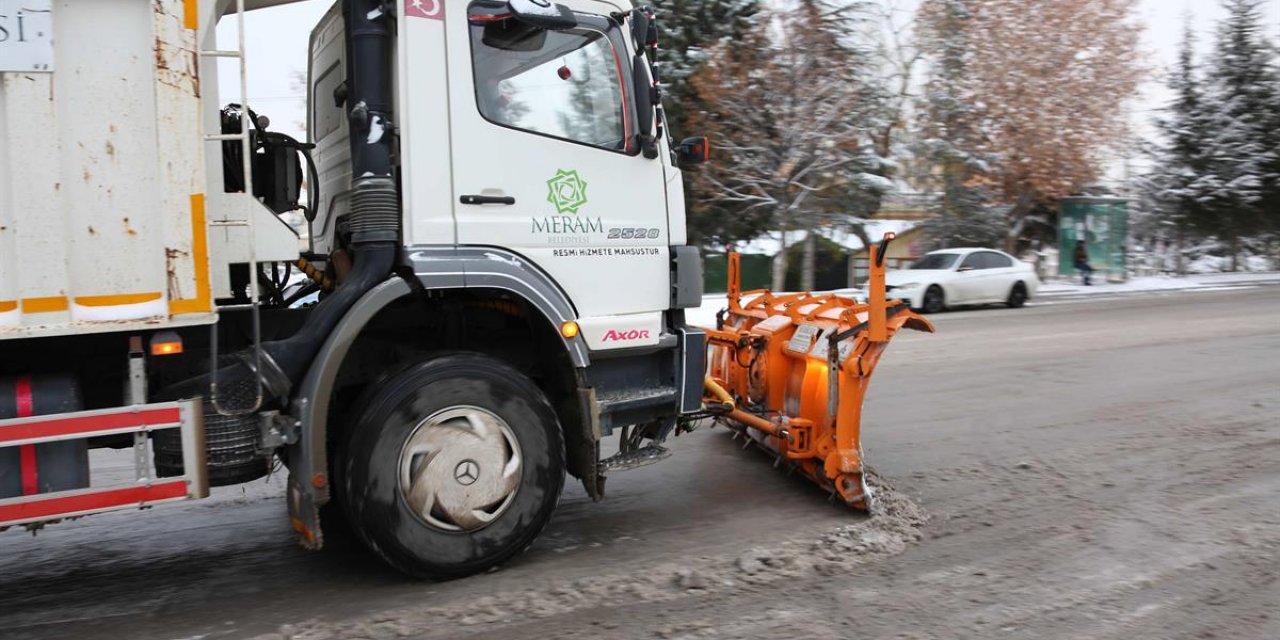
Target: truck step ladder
(246, 153)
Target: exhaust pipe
(373, 220)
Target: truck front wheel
(455, 465)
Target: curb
(1202, 286)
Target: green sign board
(1103, 223)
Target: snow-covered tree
(788, 110)
(688, 30)
(892, 37)
(1240, 138)
(1179, 160)
(951, 137)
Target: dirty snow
(896, 525)
(1127, 490)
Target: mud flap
(582, 445)
(304, 514)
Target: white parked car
(953, 277)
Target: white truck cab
(535, 151)
(495, 231)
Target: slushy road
(1100, 469)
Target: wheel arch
(942, 285)
(486, 272)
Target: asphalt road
(1103, 469)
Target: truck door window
(562, 84)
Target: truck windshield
(936, 261)
(563, 84)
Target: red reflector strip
(87, 425)
(27, 461)
(87, 502)
(26, 453)
(22, 391)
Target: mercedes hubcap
(460, 468)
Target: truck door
(546, 164)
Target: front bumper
(913, 297)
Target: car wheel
(1018, 296)
(454, 467)
(934, 300)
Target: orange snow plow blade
(790, 371)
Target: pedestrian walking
(1082, 263)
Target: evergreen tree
(1241, 141)
(688, 31)
(1183, 159)
(1271, 185)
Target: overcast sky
(1165, 20)
(277, 48)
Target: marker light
(166, 343)
(569, 329)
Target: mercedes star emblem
(467, 472)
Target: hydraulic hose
(319, 277)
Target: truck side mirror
(696, 150)
(277, 175)
(639, 28)
(644, 107)
(543, 14)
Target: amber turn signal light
(166, 343)
(569, 329)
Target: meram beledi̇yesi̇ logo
(566, 191)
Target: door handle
(476, 199)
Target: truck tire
(454, 466)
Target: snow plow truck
(486, 276)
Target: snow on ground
(1215, 264)
(1157, 283)
(705, 315)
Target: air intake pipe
(373, 221)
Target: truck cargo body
(104, 198)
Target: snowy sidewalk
(1062, 290)
(1204, 282)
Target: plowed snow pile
(896, 524)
